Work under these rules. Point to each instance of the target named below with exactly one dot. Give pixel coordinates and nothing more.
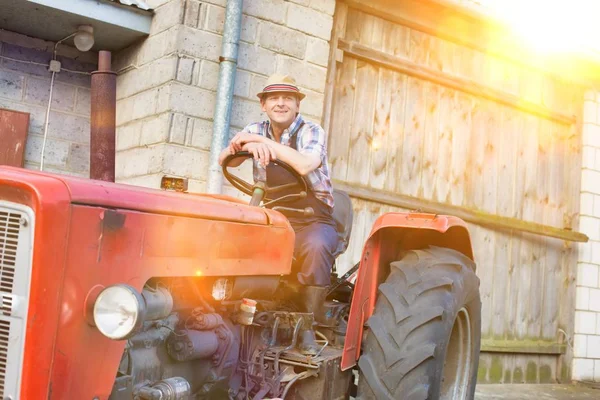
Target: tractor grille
(4, 335)
(9, 239)
(16, 244)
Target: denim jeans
(314, 248)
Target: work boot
(313, 298)
(311, 301)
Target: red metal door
(13, 134)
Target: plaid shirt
(309, 140)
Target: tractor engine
(231, 338)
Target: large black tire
(424, 335)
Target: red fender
(393, 233)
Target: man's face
(281, 107)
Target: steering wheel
(260, 191)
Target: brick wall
(25, 86)
(586, 363)
(167, 84)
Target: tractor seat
(343, 216)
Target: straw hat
(281, 83)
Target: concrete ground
(536, 392)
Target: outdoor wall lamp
(84, 37)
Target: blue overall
(316, 236)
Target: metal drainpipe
(222, 116)
(103, 120)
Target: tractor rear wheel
(424, 335)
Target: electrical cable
(47, 120)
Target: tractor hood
(77, 236)
(119, 196)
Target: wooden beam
(339, 30)
(470, 215)
(523, 347)
(465, 85)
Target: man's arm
(262, 152)
(302, 162)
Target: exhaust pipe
(103, 120)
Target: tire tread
(394, 350)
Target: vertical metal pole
(222, 115)
(103, 120)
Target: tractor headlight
(118, 311)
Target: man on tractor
(286, 136)
(174, 296)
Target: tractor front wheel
(424, 335)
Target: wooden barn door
(415, 115)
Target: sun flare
(551, 26)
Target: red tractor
(119, 292)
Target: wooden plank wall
(408, 135)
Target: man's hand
(227, 151)
(241, 138)
(261, 152)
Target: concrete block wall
(25, 86)
(586, 362)
(167, 84)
